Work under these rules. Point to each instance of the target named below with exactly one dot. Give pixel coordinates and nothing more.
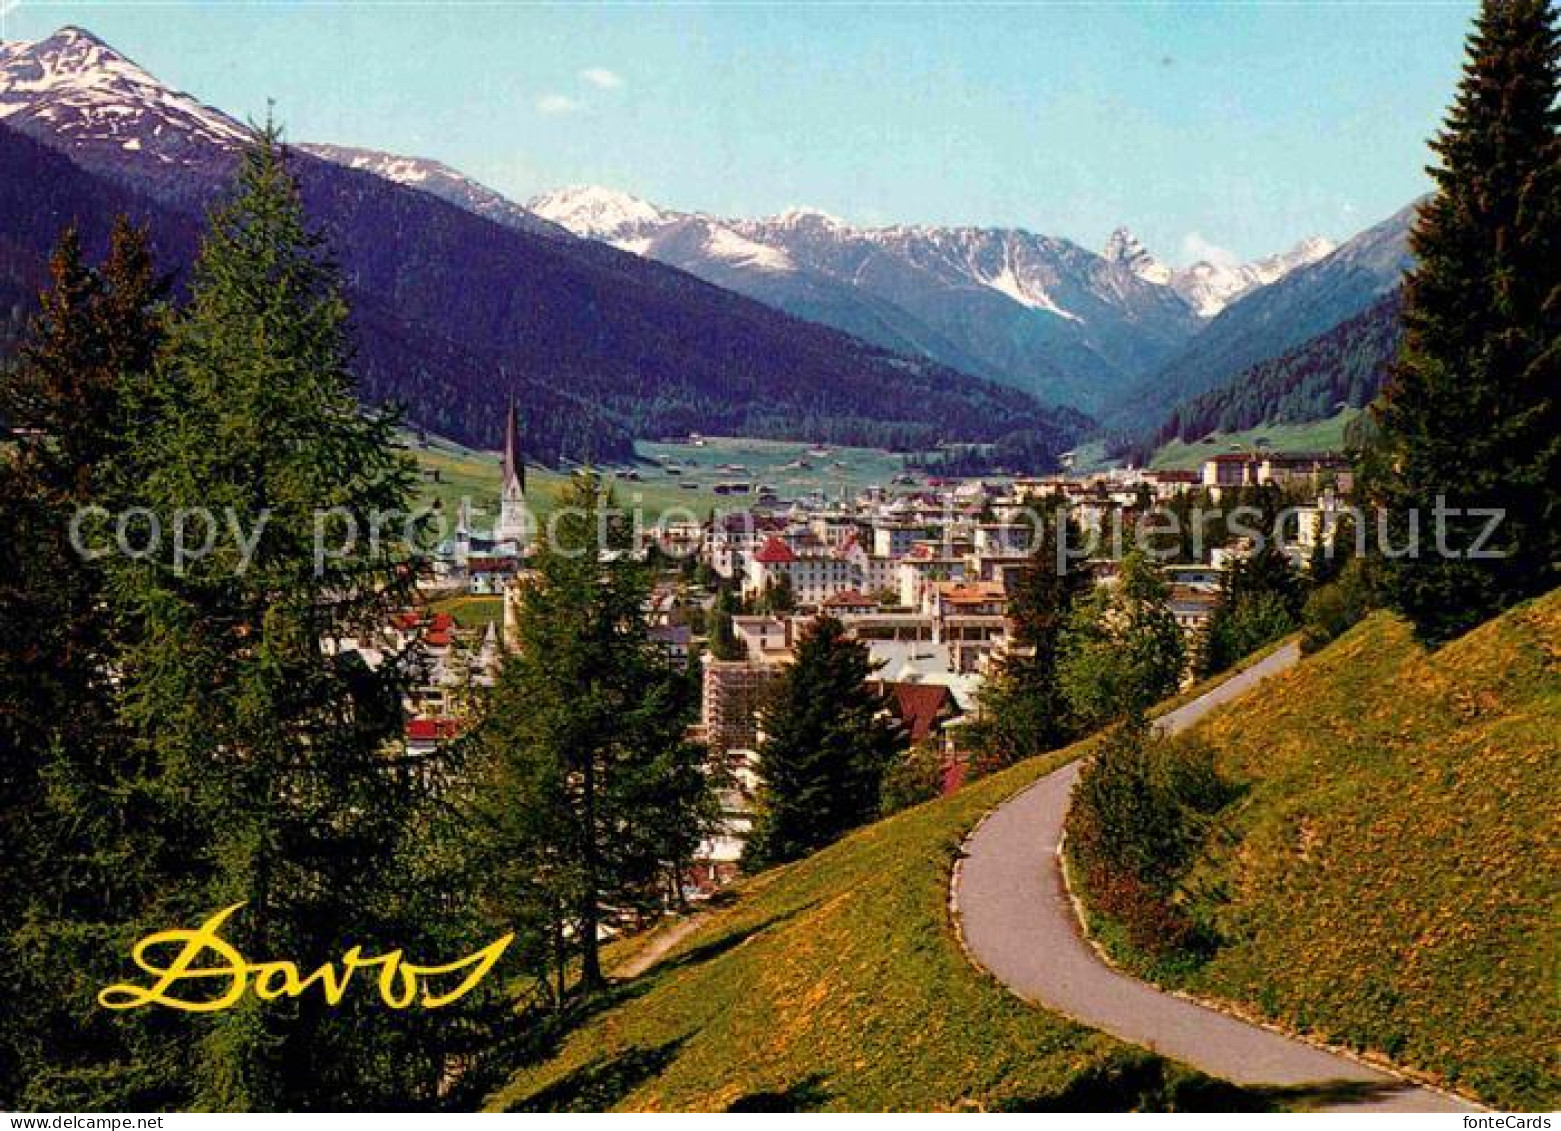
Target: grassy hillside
(838, 983)
(1316, 436)
(1389, 881)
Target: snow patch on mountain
(1210, 285)
(89, 93)
(597, 213)
(724, 244)
(637, 226)
(439, 179)
(1025, 291)
(1125, 248)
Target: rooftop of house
(849, 599)
(775, 552)
(920, 706)
(431, 730)
(970, 593)
(671, 633)
(409, 619)
(1302, 458)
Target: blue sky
(1238, 125)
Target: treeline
(1032, 451)
(1344, 366)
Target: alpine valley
(614, 318)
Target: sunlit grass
(1388, 880)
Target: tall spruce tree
(827, 743)
(1023, 710)
(1470, 412)
(93, 846)
(1261, 598)
(591, 797)
(724, 644)
(89, 844)
(1122, 651)
(287, 748)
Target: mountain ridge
(1343, 367)
(1209, 286)
(455, 310)
(1266, 323)
(1038, 312)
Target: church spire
(514, 519)
(514, 465)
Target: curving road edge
(1016, 920)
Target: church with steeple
(514, 523)
(484, 561)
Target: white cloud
(602, 78)
(1195, 248)
(554, 105)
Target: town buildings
(922, 575)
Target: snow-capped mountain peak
(1209, 285)
(78, 89)
(638, 226)
(1125, 248)
(1040, 310)
(596, 212)
(802, 216)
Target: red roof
(430, 730)
(489, 565)
(919, 705)
(775, 552)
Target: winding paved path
(1018, 923)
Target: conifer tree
(724, 644)
(1261, 598)
(1470, 409)
(590, 796)
(1122, 651)
(1023, 710)
(827, 743)
(90, 842)
(288, 748)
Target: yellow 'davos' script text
(227, 975)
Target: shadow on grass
(1331, 1093)
(1143, 1082)
(602, 1083)
(716, 947)
(538, 1036)
(807, 1094)
(518, 1039)
(1147, 1083)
